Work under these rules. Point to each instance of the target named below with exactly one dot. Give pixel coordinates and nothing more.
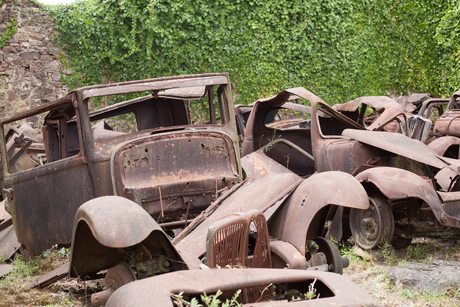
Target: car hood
(398, 144)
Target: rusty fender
(333, 289)
(303, 214)
(397, 183)
(106, 225)
(442, 144)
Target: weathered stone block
(20, 71)
(53, 51)
(45, 57)
(11, 96)
(11, 57)
(58, 85)
(22, 36)
(34, 42)
(52, 66)
(40, 76)
(9, 49)
(30, 56)
(37, 36)
(56, 76)
(43, 90)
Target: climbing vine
(10, 30)
(338, 49)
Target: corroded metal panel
(174, 173)
(333, 289)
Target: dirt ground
(367, 269)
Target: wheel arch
(302, 215)
(107, 228)
(395, 184)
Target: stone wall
(30, 65)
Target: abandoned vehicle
(407, 182)
(154, 163)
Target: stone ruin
(30, 63)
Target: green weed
(208, 300)
(418, 251)
(389, 254)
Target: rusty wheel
(330, 251)
(374, 225)
(119, 275)
(115, 277)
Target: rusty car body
(331, 289)
(128, 172)
(407, 182)
(448, 123)
(163, 161)
(115, 234)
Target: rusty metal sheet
(8, 241)
(398, 144)
(448, 123)
(258, 134)
(174, 173)
(376, 102)
(154, 84)
(43, 216)
(304, 206)
(414, 102)
(325, 108)
(5, 269)
(103, 225)
(397, 183)
(426, 106)
(270, 184)
(187, 93)
(391, 109)
(442, 144)
(50, 277)
(334, 290)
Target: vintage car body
(152, 174)
(151, 165)
(391, 158)
(332, 289)
(113, 233)
(404, 178)
(383, 112)
(448, 123)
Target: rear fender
(395, 183)
(108, 229)
(446, 146)
(302, 216)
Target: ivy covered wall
(337, 49)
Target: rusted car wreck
(405, 179)
(167, 168)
